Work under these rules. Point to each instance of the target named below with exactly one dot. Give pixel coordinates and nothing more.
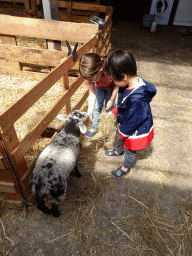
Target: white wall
(183, 15)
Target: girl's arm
(91, 99)
(113, 96)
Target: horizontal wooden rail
(35, 133)
(81, 6)
(46, 29)
(7, 187)
(9, 116)
(13, 1)
(31, 55)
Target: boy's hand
(109, 104)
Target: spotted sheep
(56, 162)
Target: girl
(101, 88)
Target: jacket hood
(144, 91)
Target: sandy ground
(149, 212)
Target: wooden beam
(7, 187)
(82, 6)
(53, 30)
(31, 55)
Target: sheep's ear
(82, 128)
(62, 117)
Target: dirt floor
(149, 212)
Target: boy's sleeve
(114, 111)
(136, 116)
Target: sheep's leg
(41, 205)
(77, 173)
(55, 211)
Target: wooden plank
(27, 4)
(2, 165)
(37, 130)
(53, 30)
(31, 55)
(10, 143)
(108, 20)
(13, 1)
(9, 116)
(24, 74)
(13, 11)
(6, 176)
(75, 18)
(81, 6)
(12, 200)
(106, 38)
(7, 187)
(69, 11)
(13, 173)
(11, 40)
(66, 87)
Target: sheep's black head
(78, 117)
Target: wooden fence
(68, 10)
(14, 172)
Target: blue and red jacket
(134, 115)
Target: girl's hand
(109, 114)
(109, 104)
(90, 116)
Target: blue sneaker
(119, 173)
(112, 153)
(92, 132)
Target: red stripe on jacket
(137, 142)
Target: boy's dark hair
(120, 63)
(89, 65)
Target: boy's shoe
(119, 173)
(112, 153)
(92, 132)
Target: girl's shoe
(112, 153)
(119, 173)
(92, 132)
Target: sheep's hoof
(56, 213)
(77, 173)
(44, 209)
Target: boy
(135, 130)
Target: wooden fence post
(65, 84)
(22, 175)
(10, 40)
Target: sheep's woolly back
(57, 160)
